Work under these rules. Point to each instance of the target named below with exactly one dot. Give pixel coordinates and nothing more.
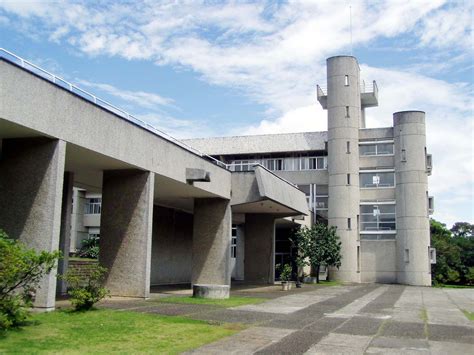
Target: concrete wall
(344, 198)
(259, 248)
(36, 103)
(126, 229)
(413, 233)
(171, 257)
(31, 191)
(378, 261)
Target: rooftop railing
(364, 88)
(13, 58)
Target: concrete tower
(344, 116)
(413, 233)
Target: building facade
(372, 184)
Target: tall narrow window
(358, 223)
(347, 112)
(358, 259)
(348, 147)
(404, 155)
(407, 255)
(348, 179)
(346, 80)
(348, 223)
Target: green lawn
(469, 315)
(233, 301)
(105, 331)
(328, 283)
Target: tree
(454, 253)
(463, 229)
(317, 246)
(21, 270)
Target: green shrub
(86, 290)
(21, 270)
(90, 247)
(285, 271)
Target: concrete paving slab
(233, 316)
(441, 310)
(451, 333)
(383, 304)
(246, 342)
(399, 343)
(356, 342)
(461, 297)
(326, 324)
(381, 351)
(443, 348)
(295, 302)
(360, 326)
(322, 349)
(409, 306)
(295, 343)
(354, 307)
(403, 329)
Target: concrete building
(369, 183)
(166, 211)
(208, 210)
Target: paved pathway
(363, 319)
(356, 319)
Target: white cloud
(141, 98)
(274, 54)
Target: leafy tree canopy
(317, 246)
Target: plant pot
(285, 285)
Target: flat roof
(265, 143)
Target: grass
(106, 331)
(233, 301)
(454, 286)
(469, 315)
(326, 283)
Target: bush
(90, 247)
(21, 269)
(86, 290)
(285, 271)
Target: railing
(322, 90)
(13, 58)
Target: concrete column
(259, 248)
(31, 185)
(211, 246)
(344, 118)
(126, 231)
(65, 231)
(413, 230)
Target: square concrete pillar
(211, 242)
(126, 231)
(259, 248)
(65, 231)
(31, 186)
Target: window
(348, 179)
(348, 147)
(275, 164)
(358, 258)
(348, 223)
(93, 206)
(347, 112)
(377, 179)
(407, 255)
(243, 165)
(377, 217)
(233, 242)
(346, 80)
(376, 149)
(404, 155)
(313, 163)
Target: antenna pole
(350, 21)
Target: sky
(214, 68)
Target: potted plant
(285, 276)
